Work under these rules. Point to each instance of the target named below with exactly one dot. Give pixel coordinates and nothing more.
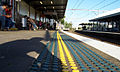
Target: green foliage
(68, 25)
(62, 21)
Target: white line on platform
(109, 49)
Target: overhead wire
(103, 6)
(93, 6)
(75, 4)
(78, 4)
(109, 4)
(97, 5)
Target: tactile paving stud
(34, 65)
(85, 71)
(65, 70)
(44, 69)
(54, 70)
(92, 68)
(75, 70)
(65, 67)
(83, 68)
(34, 68)
(105, 71)
(89, 65)
(111, 69)
(64, 64)
(70, 60)
(94, 71)
(45, 66)
(101, 68)
(55, 63)
(72, 64)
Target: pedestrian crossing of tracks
(65, 54)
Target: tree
(68, 25)
(62, 20)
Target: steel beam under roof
(49, 5)
(57, 6)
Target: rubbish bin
(24, 23)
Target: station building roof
(110, 15)
(54, 9)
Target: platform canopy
(112, 15)
(50, 8)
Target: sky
(82, 15)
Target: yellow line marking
(62, 56)
(70, 59)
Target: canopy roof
(50, 8)
(108, 15)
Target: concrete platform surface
(18, 49)
(109, 49)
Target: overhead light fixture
(51, 2)
(41, 2)
(53, 7)
(45, 7)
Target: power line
(96, 4)
(104, 6)
(88, 10)
(75, 4)
(80, 2)
(109, 4)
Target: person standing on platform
(40, 24)
(32, 22)
(3, 15)
(9, 22)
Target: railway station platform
(67, 54)
(55, 51)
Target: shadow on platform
(18, 55)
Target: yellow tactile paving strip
(71, 61)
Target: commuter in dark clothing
(9, 22)
(3, 15)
